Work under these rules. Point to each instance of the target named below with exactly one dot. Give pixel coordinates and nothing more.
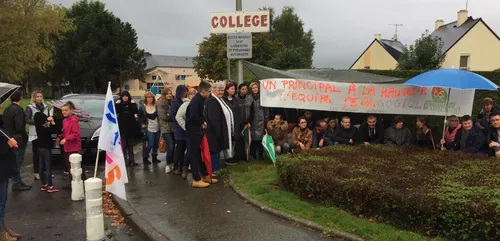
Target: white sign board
(239, 45)
(364, 98)
(238, 22)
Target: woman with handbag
(148, 119)
(167, 132)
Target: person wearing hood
(346, 133)
(167, 132)
(257, 121)
(148, 119)
(397, 134)
(372, 131)
(179, 134)
(180, 117)
(237, 141)
(37, 105)
(126, 109)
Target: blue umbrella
(452, 79)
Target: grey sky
(342, 29)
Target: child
(45, 126)
(70, 138)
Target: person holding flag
(110, 141)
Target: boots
(4, 236)
(208, 180)
(177, 171)
(199, 184)
(146, 161)
(155, 159)
(184, 172)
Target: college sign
(239, 22)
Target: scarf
(449, 137)
(228, 114)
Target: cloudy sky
(342, 29)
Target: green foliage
(102, 48)
(29, 31)
(425, 54)
(286, 46)
(434, 192)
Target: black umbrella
(6, 91)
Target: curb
(138, 223)
(286, 216)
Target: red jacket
(71, 132)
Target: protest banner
(364, 98)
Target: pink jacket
(71, 132)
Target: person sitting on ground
(483, 118)
(452, 134)
(398, 135)
(301, 137)
(424, 137)
(331, 131)
(346, 134)
(493, 135)
(320, 138)
(308, 116)
(472, 139)
(372, 131)
(277, 129)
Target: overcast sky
(342, 29)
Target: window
(126, 87)
(153, 77)
(367, 67)
(181, 77)
(464, 62)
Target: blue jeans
(170, 141)
(215, 156)
(4, 190)
(153, 140)
(16, 179)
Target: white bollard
(93, 205)
(77, 193)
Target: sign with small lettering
(364, 98)
(239, 46)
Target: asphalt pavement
(41, 216)
(179, 212)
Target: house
(163, 70)
(382, 54)
(468, 44)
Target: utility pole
(240, 62)
(395, 38)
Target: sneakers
(169, 168)
(200, 184)
(44, 187)
(230, 162)
(36, 176)
(52, 189)
(207, 179)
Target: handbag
(162, 146)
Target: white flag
(110, 141)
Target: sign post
(239, 27)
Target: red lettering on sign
(215, 23)
(112, 174)
(370, 91)
(263, 20)
(325, 99)
(247, 21)
(255, 21)
(352, 90)
(239, 23)
(223, 21)
(368, 103)
(351, 102)
(269, 84)
(231, 24)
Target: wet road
(183, 213)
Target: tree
(29, 30)
(425, 54)
(102, 48)
(286, 46)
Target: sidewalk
(42, 216)
(182, 213)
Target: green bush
(451, 194)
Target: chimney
(462, 17)
(378, 36)
(439, 23)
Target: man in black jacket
(371, 131)
(347, 134)
(15, 124)
(195, 123)
(493, 135)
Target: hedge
(479, 96)
(444, 193)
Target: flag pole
(96, 163)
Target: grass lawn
(24, 103)
(259, 180)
